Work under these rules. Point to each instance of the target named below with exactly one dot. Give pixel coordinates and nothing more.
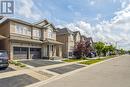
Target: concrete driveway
(112, 73)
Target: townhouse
(65, 36)
(70, 40)
(77, 37)
(24, 40)
(90, 41)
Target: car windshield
(3, 54)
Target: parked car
(92, 54)
(4, 59)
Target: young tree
(112, 50)
(99, 47)
(105, 50)
(122, 51)
(129, 51)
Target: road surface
(113, 73)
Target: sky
(103, 20)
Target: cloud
(92, 2)
(115, 30)
(26, 9)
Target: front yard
(88, 61)
(74, 60)
(92, 61)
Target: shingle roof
(75, 32)
(64, 31)
(19, 21)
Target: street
(112, 73)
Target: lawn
(91, 61)
(96, 60)
(74, 60)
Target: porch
(51, 49)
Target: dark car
(3, 59)
(92, 54)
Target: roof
(44, 23)
(52, 41)
(76, 32)
(18, 21)
(64, 31)
(2, 37)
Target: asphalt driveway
(65, 69)
(17, 81)
(112, 73)
(40, 62)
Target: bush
(17, 63)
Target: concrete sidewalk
(113, 73)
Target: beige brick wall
(4, 30)
(64, 40)
(46, 33)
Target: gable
(50, 26)
(43, 23)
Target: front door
(48, 50)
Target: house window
(21, 29)
(50, 33)
(70, 53)
(37, 33)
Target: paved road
(114, 73)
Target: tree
(79, 49)
(82, 48)
(99, 47)
(122, 51)
(112, 50)
(129, 51)
(105, 50)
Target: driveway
(17, 81)
(6, 70)
(40, 62)
(65, 69)
(112, 73)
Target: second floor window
(37, 33)
(20, 29)
(50, 33)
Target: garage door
(20, 52)
(35, 53)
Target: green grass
(17, 63)
(74, 60)
(92, 61)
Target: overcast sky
(104, 20)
